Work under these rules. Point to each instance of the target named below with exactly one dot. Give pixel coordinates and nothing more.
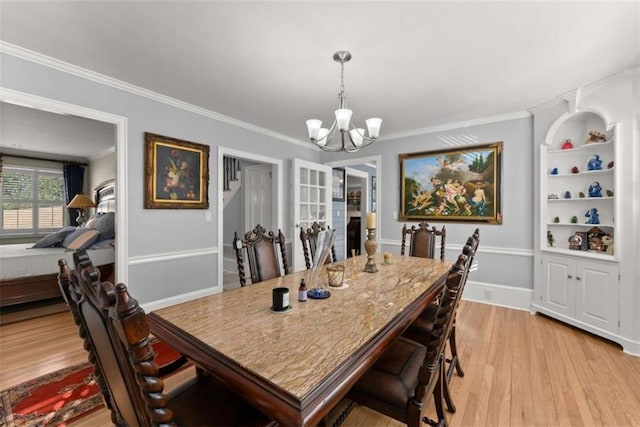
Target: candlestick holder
(370, 245)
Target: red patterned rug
(60, 397)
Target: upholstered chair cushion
(423, 245)
(267, 260)
(420, 330)
(391, 382)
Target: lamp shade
(81, 201)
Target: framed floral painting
(176, 173)
(461, 184)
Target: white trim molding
(47, 61)
(493, 250)
(120, 122)
(172, 256)
(166, 302)
(499, 295)
(459, 125)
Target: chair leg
(454, 362)
(437, 398)
(451, 407)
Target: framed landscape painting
(176, 173)
(461, 184)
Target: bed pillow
(93, 220)
(54, 240)
(80, 239)
(106, 225)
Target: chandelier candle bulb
(313, 126)
(373, 125)
(371, 220)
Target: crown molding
(47, 61)
(574, 96)
(459, 125)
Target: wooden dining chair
(309, 239)
(402, 379)
(422, 240)
(261, 254)
(421, 329)
(115, 331)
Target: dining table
(296, 365)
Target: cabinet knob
(569, 276)
(578, 278)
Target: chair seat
(204, 401)
(420, 330)
(391, 381)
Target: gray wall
(505, 255)
(155, 234)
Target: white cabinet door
(559, 285)
(597, 292)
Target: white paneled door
(311, 202)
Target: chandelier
(351, 138)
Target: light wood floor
(521, 370)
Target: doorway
(257, 199)
(364, 168)
(120, 140)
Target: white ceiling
(415, 64)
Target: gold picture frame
(176, 173)
(462, 184)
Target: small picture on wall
(176, 173)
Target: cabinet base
(628, 346)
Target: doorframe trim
(359, 161)
(278, 171)
(120, 122)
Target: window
(32, 200)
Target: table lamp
(80, 202)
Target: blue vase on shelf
(595, 164)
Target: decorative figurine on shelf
(575, 169)
(592, 216)
(556, 219)
(610, 164)
(581, 195)
(567, 194)
(567, 145)
(595, 136)
(550, 240)
(609, 193)
(552, 196)
(608, 242)
(574, 219)
(575, 242)
(554, 171)
(595, 190)
(595, 164)
(594, 237)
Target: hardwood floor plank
(520, 370)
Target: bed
(29, 275)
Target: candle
(371, 220)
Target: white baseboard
(162, 303)
(499, 295)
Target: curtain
(73, 179)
